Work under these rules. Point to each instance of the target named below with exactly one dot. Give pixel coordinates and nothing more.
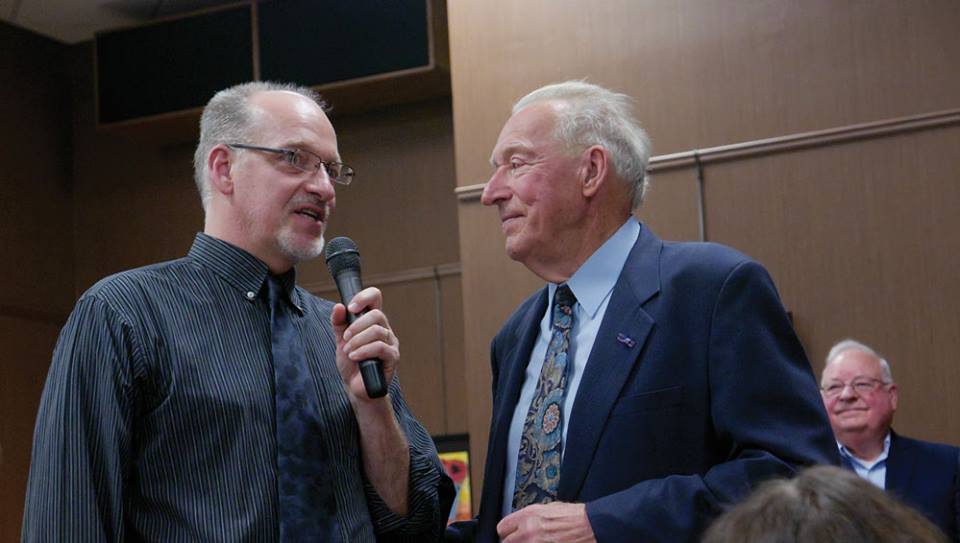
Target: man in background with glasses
(210, 398)
(861, 397)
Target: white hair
(598, 116)
(228, 118)
(852, 344)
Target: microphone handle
(371, 370)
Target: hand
(370, 336)
(556, 522)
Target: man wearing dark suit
(861, 399)
(664, 380)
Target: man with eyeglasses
(861, 398)
(210, 398)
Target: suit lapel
(512, 368)
(846, 463)
(616, 349)
(899, 465)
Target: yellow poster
(457, 465)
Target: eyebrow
(303, 146)
(511, 149)
(836, 381)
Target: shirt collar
(845, 452)
(595, 279)
(240, 269)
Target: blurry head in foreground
(822, 504)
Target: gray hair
(228, 118)
(598, 116)
(852, 344)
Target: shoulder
(711, 266)
(131, 288)
(931, 449)
(701, 257)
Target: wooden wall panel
(34, 149)
(25, 348)
(411, 308)
(671, 207)
(454, 368)
(704, 72)
(862, 241)
(135, 205)
(36, 238)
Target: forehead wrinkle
(296, 122)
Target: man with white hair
(650, 384)
(861, 398)
(210, 398)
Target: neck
(233, 235)
(577, 248)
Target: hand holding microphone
(343, 261)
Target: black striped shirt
(156, 422)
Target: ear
(893, 396)
(219, 165)
(595, 170)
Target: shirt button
(251, 295)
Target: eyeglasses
(862, 386)
(306, 161)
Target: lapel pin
(629, 342)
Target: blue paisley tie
(541, 446)
(306, 504)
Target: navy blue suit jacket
(696, 389)
(926, 476)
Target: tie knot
(563, 301)
(564, 296)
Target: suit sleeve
(82, 439)
(766, 418)
(430, 491)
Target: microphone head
(341, 254)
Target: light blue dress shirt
(592, 284)
(875, 471)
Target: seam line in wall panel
(701, 204)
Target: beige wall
(37, 244)
(860, 236)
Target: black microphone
(343, 261)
